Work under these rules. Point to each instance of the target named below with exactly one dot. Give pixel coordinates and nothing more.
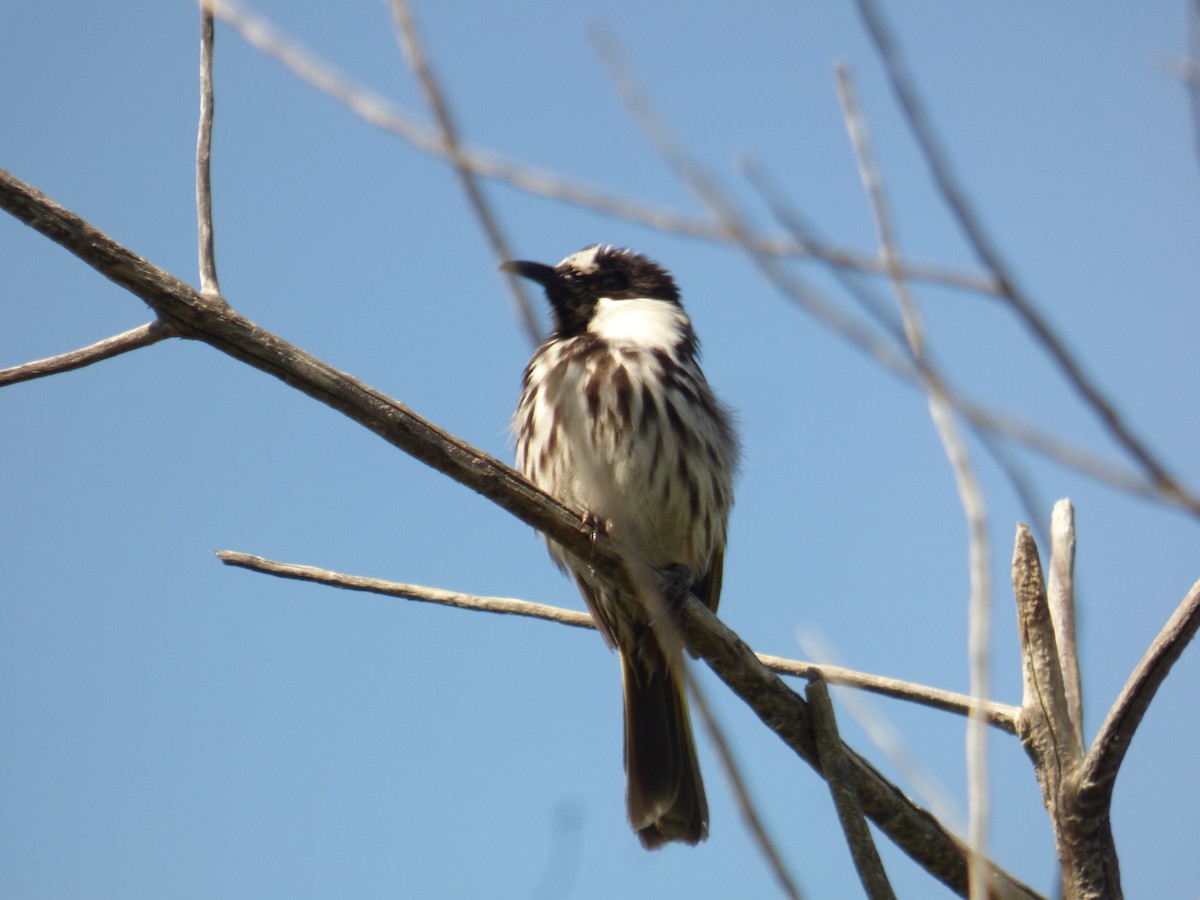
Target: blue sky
(175, 728)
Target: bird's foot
(595, 526)
(676, 585)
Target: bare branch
(913, 829)
(972, 227)
(502, 605)
(1100, 767)
(1082, 836)
(1061, 594)
(833, 764)
(998, 714)
(969, 492)
(414, 51)
(1046, 727)
(210, 319)
(986, 422)
(383, 114)
(208, 260)
(135, 338)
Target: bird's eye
(613, 281)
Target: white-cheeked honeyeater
(617, 421)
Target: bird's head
(576, 285)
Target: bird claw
(594, 524)
(676, 585)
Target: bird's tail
(664, 794)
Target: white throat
(639, 322)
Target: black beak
(539, 272)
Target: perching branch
(214, 323)
(211, 321)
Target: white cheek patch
(639, 322)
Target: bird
(617, 421)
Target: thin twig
(805, 232)
(998, 714)
(388, 116)
(969, 491)
(208, 260)
(990, 257)
(985, 422)
(741, 790)
(502, 605)
(833, 763)
(135, 338)
(414, 51)
(881, 351)
(1103, 761)
(925, 786)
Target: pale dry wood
(501, 605)
(1061, 594)
(1103, 761)
(208, 260)
(134, 339)
(1086, 851)
(1046, 726)
(833, 764)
